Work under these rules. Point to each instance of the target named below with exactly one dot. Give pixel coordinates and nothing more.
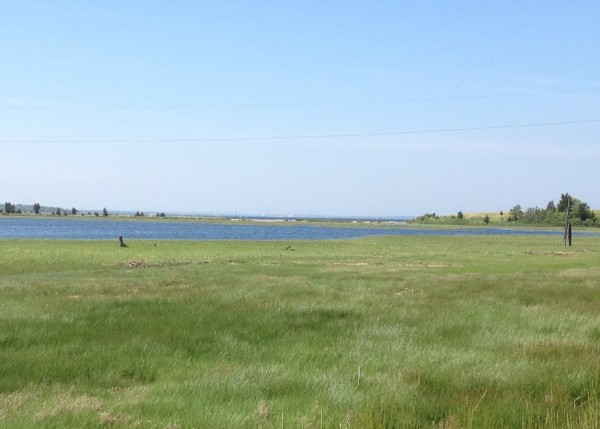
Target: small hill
(493, 216)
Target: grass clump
(387, 332)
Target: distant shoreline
(217, 218)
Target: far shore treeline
(38, 209)
(568, 208)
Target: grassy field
(387, 332)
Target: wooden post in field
(567, 234)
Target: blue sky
(190, 106)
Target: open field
(387, 332)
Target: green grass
(387, 332)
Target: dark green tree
(515, 213)
(36, 208)
(577, 208)
(564, 202)
(582, 211)
(9, 208)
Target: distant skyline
(375, 109)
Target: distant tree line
(579, 214)
(37, 209)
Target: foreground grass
(388, 332)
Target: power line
(308, 104)
(314, 136)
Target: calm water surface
(103, 229)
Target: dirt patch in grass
(130, 395)
(556, 253)
(134, 263)
(426, 265)
(407, 292)
(580, 273)
(69, 404)
(352, 264)
(12, 402)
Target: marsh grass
(387, 332)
